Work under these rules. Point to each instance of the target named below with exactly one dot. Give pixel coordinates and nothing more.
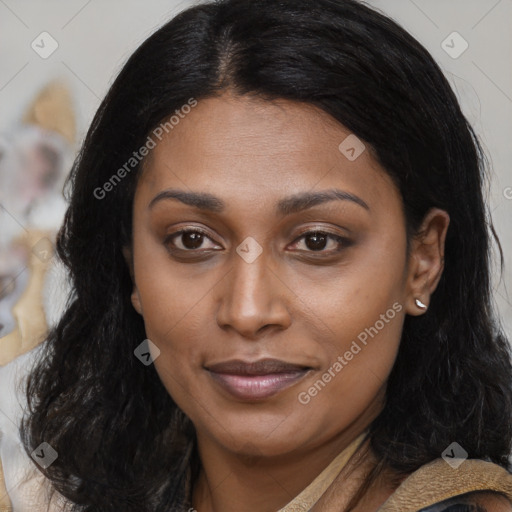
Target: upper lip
(261, 367)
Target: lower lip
(257, 387)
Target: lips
(262, 367)
(256, 380)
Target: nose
(252, 299)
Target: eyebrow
(286, 206)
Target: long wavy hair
(122, 442)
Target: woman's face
(250, 282)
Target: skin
(291, 303)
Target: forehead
(230, 145)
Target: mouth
(253, 381)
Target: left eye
(317, 241)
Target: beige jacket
(430, 484)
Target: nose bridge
(251, 297)
(250, 284)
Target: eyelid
(319, 229)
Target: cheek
(169, 305)
(360, 312)
(174, 319)
(177, 327)
(173, 312)
(349, 300)
(354, 379)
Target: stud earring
(420, 304)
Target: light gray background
(96, 37)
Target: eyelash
(342, 241)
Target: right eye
(188, 240)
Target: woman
(280, 264)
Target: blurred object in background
(35, 159)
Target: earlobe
(135, 298)
(426, 260)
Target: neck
(232, 482)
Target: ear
(426, 260)
(135, 297)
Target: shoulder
(439, 487)
(483, 501)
